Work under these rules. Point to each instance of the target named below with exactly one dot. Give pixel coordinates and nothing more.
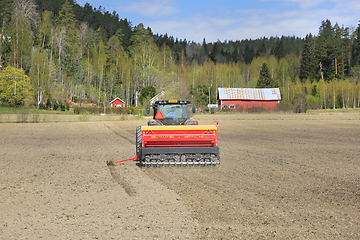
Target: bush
(212, 110)
(300, 103)
(48, 104)
(108, 110)
(56, 105)
(36, 117)
(255, 109)
(23, 115)
(285, 107)
(312, 102)
(62, 106)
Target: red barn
(117, 102)
(241, 99)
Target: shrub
(285, 107)
(56, 105)
(42, 106)
(255, 109)
(62, 106)
(300, 103)
(23, 115)
(312, 102)
(36, 117)
(48, 103)
(108, 110)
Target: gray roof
(249, 94)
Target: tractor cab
(171, 112)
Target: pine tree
(248, 54)
(6, 8)
(68, 20)
(279, 50)
(265, 80)
(324, 51)
(356, 48)
(308, 61)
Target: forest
(52, 51)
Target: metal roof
(249, 93)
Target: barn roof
(117, 99)
(249, 94)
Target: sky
(231, 20)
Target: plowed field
(282, 176)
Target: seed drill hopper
(172, 138)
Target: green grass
(31, 110)
(337, 110)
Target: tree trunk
(336, 71)
(322, 74)
(2, 36)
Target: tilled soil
(282, 176)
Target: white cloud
(275, 18)
(306, 4)
(154, 8)
(257, 23)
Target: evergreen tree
(265, 80)
(279, 50)
(6, 8)
(324, 51)
(67, 19)
(356, 48)
(147, 93)
(248, 54)
(214, 52)
(308, 61)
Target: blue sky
(233, 20)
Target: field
(282, 176)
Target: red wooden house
(117, 102)
(241, 99)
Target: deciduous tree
(39, 75)
(14, 86)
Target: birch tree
(24, 19)
(115, 56)
(99, 65)
(39, 75)
(143, 51)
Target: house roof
(249, 94)
(157, 97)
(117, 99)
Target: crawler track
(176, 160)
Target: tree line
(73, 52)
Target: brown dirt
(282, 176)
